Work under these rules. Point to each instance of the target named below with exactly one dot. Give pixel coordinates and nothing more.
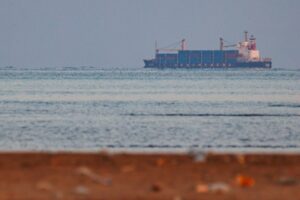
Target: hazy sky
(120, 33)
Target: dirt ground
(149, 176)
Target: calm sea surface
(144, 109)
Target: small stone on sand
(287, 181)
(201, 188)
(81, 190)
(44, 185)
(244, 181)
(156, 187)
(128, 168)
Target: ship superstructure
(244, 55)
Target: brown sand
(148, 176)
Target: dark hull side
(259, 64)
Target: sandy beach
(148, 176)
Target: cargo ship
(244, 55)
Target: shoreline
(181, 150)
(178, 176)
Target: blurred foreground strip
(150, 176)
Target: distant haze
(120, 33)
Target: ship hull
(258, 64)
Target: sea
(92, 109)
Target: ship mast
(156, 48)
(246, 36)
(221, 44)
(183, 44)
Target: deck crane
(222, 46)
(172, 47)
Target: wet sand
(149, 176)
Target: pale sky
(121, 33)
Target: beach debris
(85, 171)
(128, 168)
(217, 187)
(244, 181)
(160, 162)
(81, 190)
(156, 187)
(177, 198)
(202, 188)
(58, 195)
(241, 159)
(44, 185)
(48, 187)
(199, 156)
(287, 181)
